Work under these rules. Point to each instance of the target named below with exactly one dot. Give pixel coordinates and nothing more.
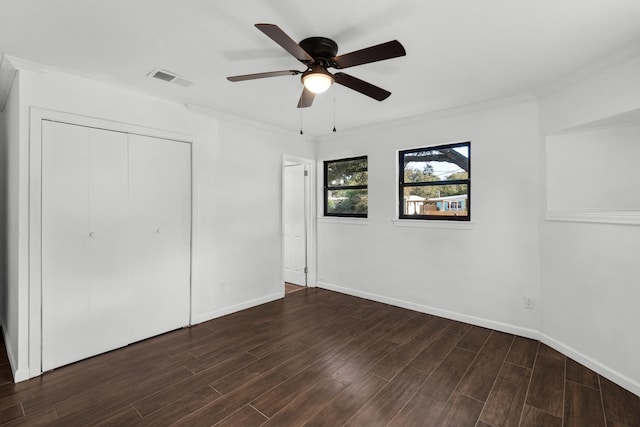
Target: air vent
(181, 82)
(170, 77)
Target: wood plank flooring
(290, 287)
(320, 358)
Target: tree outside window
(345, 187)
(435, 182)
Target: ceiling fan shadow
(252, 54)
(381, 18)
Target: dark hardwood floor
(290, 287)
(319, 358)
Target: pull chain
(334, 108)
(301, 133)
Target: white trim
(36, 116)
(240, 306)
(594, 365)
(24, 64)
(310, 202)
(479, 321)
(343, 220)
(18, 374)
(589, 71)
(430, 223)
(105, 123)
(589, 127)
(7, 74)
(574, 354)
(221, 115)
(598, 217)
(438, 114)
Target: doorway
(297, 224)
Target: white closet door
(159, 235)
(65, 244)
(108, 263)
(84, 265)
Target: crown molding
(23, 64)
(439, 114)
(221, 115)
(7, 74)
(595, 68)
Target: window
(345, 187)
(435, 182)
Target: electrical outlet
(223, 286)
(528, 303)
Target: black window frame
(328, 188)
(402, 185)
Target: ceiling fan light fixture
(318, 80)
(318, 54)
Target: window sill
(431, 223)
(343, 220)
(599, 217)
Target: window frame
(328, 188)
(402, 185)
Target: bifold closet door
(84, 242)
(159, 235)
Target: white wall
(237, 200)
(3, 208)
(606, 89)
(589, 279)
(594, 170)
(480, 274)
(11, 243)
(246, 206)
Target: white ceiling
(458, 51)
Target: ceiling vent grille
(170, 77)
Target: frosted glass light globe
(317, 82)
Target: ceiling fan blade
(263, 75)
(277, 35)
(306, 99)
(380, 52)
(361, 86)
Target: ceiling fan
(318, 54)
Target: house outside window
(435, 182)
(345, 187)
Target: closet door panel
(108, 244)
(159, 235)
(65, 244)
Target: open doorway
(297, 224)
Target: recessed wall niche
(593, 171)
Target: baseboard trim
(596, 366)
(479, 321)
(204, 317)
(18, 374)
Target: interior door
(84, 264)
(295, 243)
(159, 235)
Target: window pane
(347, 173)
(347, 202)
(442, 200)
(444, 164)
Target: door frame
(36, 116)
(310, 217)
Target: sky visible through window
(441, 169)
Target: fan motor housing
(320, 48)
